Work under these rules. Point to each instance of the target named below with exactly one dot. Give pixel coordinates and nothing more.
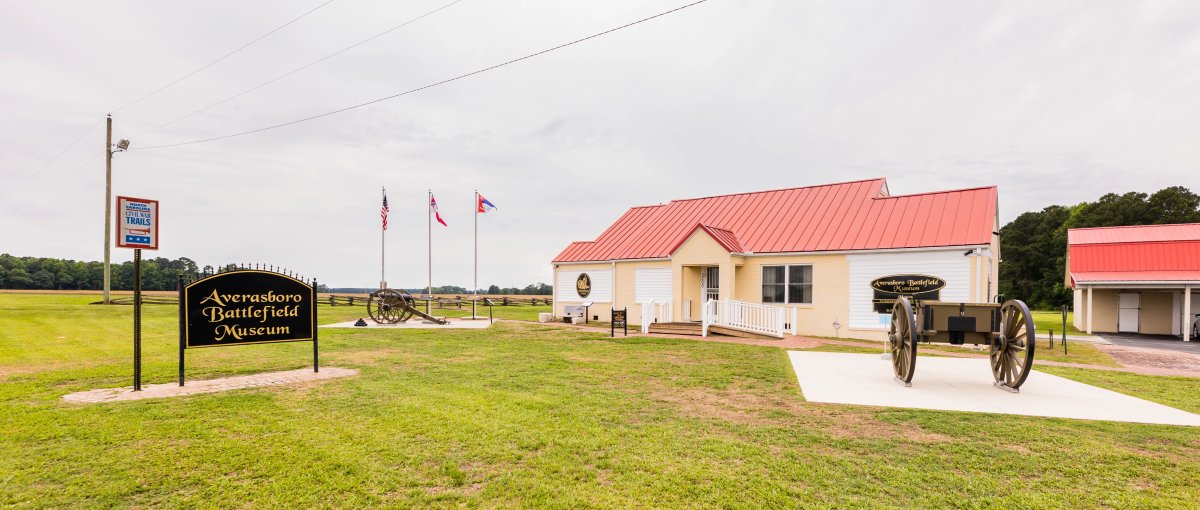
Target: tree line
(1034, 245)
(42, 273)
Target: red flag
(436, 215)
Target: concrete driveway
(1161, 342)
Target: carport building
(1137, 279)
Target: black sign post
(1064, 337)
(619, 320)
(137, 319)
(246, 307)
(917, 287)
(182, 325)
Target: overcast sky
(1054, 102)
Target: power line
(61, 178)
(431, 85)
(13, 190)
(222, 57)
(298, 69)
(153, 92)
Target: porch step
(677, 328)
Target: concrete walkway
(173, 389)
(950, 384)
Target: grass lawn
(526, 415)
(1048, 320)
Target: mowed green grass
(527, 415)
(1045, 321)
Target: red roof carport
(1136, 259)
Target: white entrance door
(1128, 310)
(710, 284)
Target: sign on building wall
(243, 307)
(583, 285)
(918, 287)
(137, 223)
(571, 285)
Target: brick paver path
(1154, 361)
(210, 386)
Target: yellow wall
(1155, 317)
(831, 299)
(699, 250)
(1104, 316)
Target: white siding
(602, 282)
(950, 266)
(652, 283)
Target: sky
(1054, 102)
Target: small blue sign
(137, 239)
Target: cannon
(392, 306)
(1007, 329)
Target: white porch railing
(776, 321)
(655, 311)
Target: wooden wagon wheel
(404, 306)
(382, 307)
(902, 340)
(1012, 348)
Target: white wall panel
(950, 266)
(602, 282)
(652, 283)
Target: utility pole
(107, 208)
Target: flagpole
(429, 221)
(477, 245)
(382, 231)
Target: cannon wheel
(1012, 348)
(902, 340)
(390, 306)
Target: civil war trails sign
(246, 307)
(918, 287)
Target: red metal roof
(1134, 234)
(1134, 253)
(857, 215)
(1135, 276)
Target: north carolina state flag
(433, 207)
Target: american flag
(383, 211)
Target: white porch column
(1089, 309)
(1187, 313)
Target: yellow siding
(1104, 317)
(699, 250)
(831, 280)
(1155, 318)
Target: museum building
(823, 260)
(1137, 279)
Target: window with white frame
(787, 284)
